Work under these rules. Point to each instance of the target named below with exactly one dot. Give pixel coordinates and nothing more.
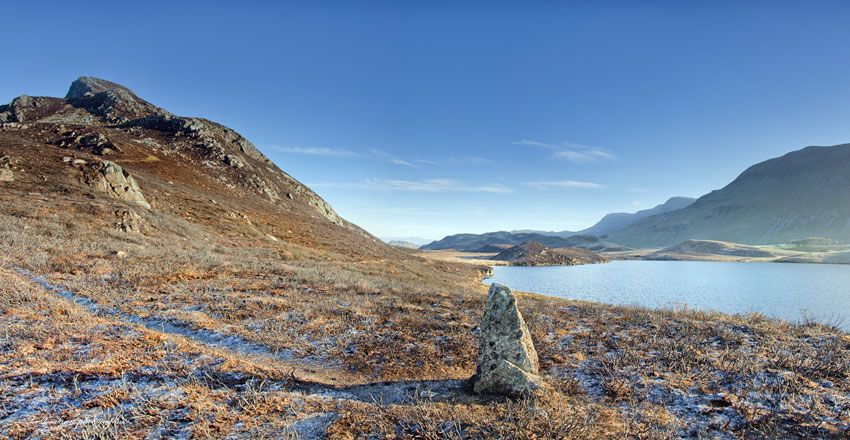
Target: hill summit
(191, 167)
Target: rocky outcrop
(507, 360)
(533, 253)
(6, 174)
(95, 142)
(22, 109)
(88, 86)
(110, 178)
(114, 102)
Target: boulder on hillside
(507, 360)
(128, 221)
(110, 178)
(6, 174)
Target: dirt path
(396, 393)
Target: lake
(782, 290)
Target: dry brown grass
(336, 319)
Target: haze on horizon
(439, 118)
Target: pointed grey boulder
(507, 360)
(110, 178)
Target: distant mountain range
(618, 220)
(585, 239)
(403, 244)
(418, 241)
(805, 193)
(480, 242)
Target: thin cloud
(537, 144)
(391, 158)
(428, 185)
(563, 184)
(573, 152)
(380, 153)
(584, 155)
(636, 189)
(317, 151)
(471, 161)
(403, 162)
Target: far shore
(779, 256)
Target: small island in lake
(532, 253)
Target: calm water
(821, 291)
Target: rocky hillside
(805, 193)
(533, 253)
(104, 141)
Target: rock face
(507, 360)
(113, 101)
(111, 178)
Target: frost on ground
(116, 376)
(71, 364)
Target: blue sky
(432, 118)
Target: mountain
(403, 244)
(104, 143)
(592, 243)
(533, 253)
(493, 248)
(805, 193)
(619, 220)
(475, 242)
(418, 241)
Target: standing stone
(507, 360)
